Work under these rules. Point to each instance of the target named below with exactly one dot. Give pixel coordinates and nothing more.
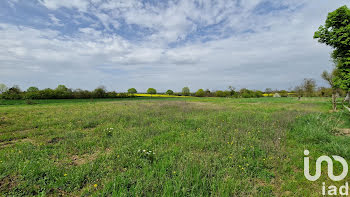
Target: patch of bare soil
(7, 183)
(55, 140)
(343, 131)
(15, 141)
(78, 160)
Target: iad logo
(330, 167)
(332, 189)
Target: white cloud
(55, 21)
(81, 5)
(278, 51)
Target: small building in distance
(276, 95)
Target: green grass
(202, 146)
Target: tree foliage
(151, 91)
(169, 92)
(336, 33)
(186, 91)
(132, 91)
(200, 93)
(32, 89)
(3, 88)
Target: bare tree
(309, 86)
(329, 77)
(299, 91)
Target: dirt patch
(78, 160)
(343, 131)
(6, 144)
(16, 141)
(8, 183)
(2, 120)
(55, 140)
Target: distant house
(276, 95)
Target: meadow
(167, 146)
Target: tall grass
(164, 147)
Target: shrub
(186, 91)
(32, 89)
(99, 92)
(13, 93)
(151, 91)
(132, 91)
(200, 93)
(220, 93)
(169, 92)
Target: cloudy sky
(162, 44)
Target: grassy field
(167, 146)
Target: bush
(220, 93)
(132, 91)
(200, 93)
(13, 93)
(99, 92)
(169, 92)
(151, 91)
(186, 91)
(283, 93)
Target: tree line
(307, 88)
(61, 92)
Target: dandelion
(174, 172)
(65, 175)
(95, 185)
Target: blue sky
(213, 44)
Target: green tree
(3, 88)
(336, 33)
(169, 92)
(151, 91)
(283, 93)
(220, 93)
(61, 88)
(32, 89)
(186, 91)
(200, 93)
(99, 92)
(232, 90)
(132, 91)
(12, 93)
(208, 93)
